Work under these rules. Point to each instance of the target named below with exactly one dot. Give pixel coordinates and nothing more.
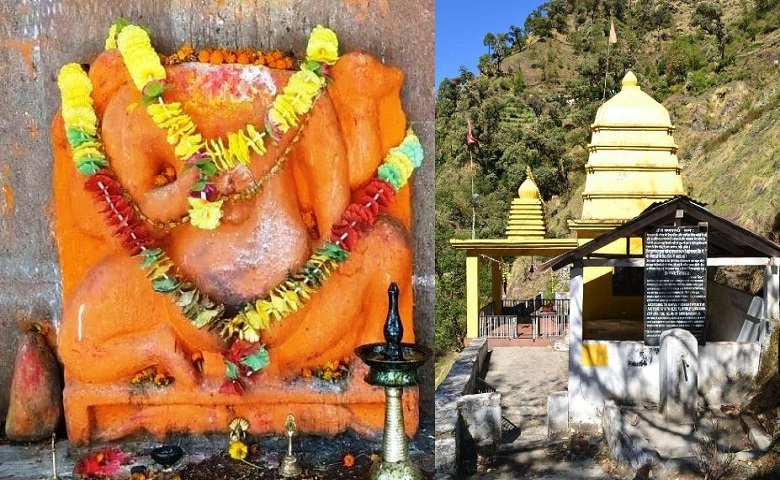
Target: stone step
(756, 433)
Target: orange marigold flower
(203, 56)
(349, 460)
(184, 52)
(217, 57)
(230, 57)
(244, 58)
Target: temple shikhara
(632, 161)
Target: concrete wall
(628, 373)
(460, 381)
(728, 311)
(38, 36)
(727, 370)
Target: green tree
(763, 6)
(490, 42)
(709, 17)
(682, 57)
(557, 11)
(538, 23)
(516, 38)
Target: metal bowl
(393, 373)
(167, 455)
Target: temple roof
(526, 214)
(725, 238)
(632, 106)
(632, 160)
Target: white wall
(632, 374)
(733, 315)
(727, 370)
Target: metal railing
(498, 326)
(552, 320)
(549, 318)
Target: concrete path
(524, 376)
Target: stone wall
(461, 380)
(38, 36)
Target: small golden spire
(526, 213)
(630, 81)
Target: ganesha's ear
(108, 74)
(367, 97)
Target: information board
(675, 281)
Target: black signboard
(675, 281)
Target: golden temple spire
(526, 214)
(632, 160)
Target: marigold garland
(296, 99)
(220, 56)
(245, 355)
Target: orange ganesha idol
(227, 233)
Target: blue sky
(461, 26)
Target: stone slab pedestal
(105, 413)
(679, 381)
(481, 414)
(557, 415)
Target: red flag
(471, 139)
(612, 35)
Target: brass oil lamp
(393, 365)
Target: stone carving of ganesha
(117, 325)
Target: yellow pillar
(472, 295)
(497, 287)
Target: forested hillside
(714, 64)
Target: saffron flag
(612, 35)
(470, 138)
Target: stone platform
(108, 413)
(34, 461)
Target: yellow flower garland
(80, 119)
(205, 214)
(323, 46)
(139, 56)
(297, 99)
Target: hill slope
(714, 65)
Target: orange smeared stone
(114, 325)
(35, 406)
